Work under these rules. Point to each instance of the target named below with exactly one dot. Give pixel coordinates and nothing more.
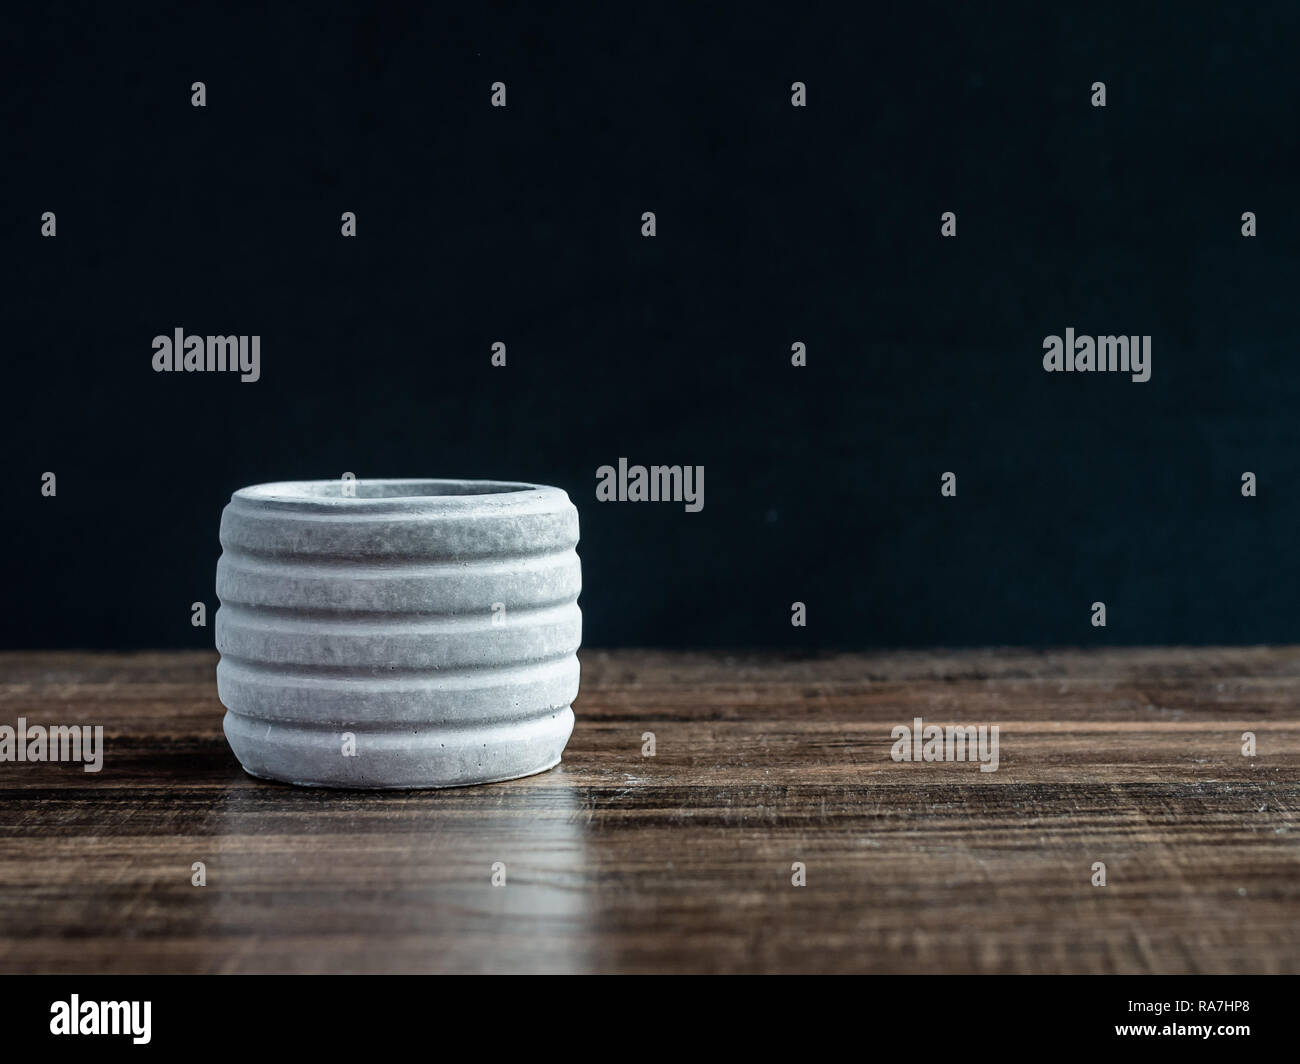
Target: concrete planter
(422, 633)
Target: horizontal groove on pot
(441, 630)
(550, 579)
(356, 557)
(352, 697)
(440, 642)
(381, 671)
(518, 531)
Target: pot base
(409, 757)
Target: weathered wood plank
(682, 862)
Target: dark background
(775, 224)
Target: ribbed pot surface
(421, 633)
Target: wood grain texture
(682, 862)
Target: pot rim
(389, 493)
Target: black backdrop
(775, 224)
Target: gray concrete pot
(422, 633)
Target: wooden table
(683, 861)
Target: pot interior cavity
(383, 489)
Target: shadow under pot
(398, 633)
